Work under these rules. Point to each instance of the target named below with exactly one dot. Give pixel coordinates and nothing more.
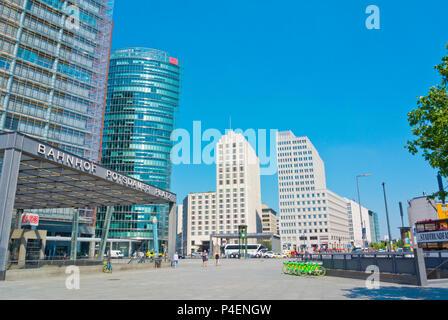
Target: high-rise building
(357, 222)
(311, 216)
(374, 227)
(269, 220)
(237, 200)
(142, 100)
(53, 70)
(54, 56)
(238, 183)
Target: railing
(389, 262)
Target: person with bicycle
(107, 265)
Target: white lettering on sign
(90, 167)
(135, 184)
(66, 159)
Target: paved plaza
(233, 280)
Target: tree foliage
(429, 123)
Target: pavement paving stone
(232, 280)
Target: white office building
(311, 216)
(237, 200)
(355, 224)
(238, 183)
(199, 220)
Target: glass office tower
(142, 99)
(374, 227)
(54, 57)
(53, 69)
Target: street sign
(437, 236)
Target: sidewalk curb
(20, 274)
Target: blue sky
(311, 67)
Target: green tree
(266, 243)
(429, 123)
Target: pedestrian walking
(175, 259)
(204, 258)
(141, 256)
(217, 258)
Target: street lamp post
(364, 240)
(154, 234)
(387, 216)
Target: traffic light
(242, 230)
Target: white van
(115, 254)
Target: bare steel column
(8, 186)
(105, 233)
(75, 228)
(172, 222)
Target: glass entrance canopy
(36, 175)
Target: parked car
(260, 254)
(269, 254)
(357, 250)
(196, 254)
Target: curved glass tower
(142, 99)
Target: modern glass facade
(53, 70)
(142, 99)
(374, 226)
(54, 57)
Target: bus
(232, 250)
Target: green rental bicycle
(303, 269)
(290, 267)
(314, 269)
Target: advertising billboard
(30, 219)
(442, 210)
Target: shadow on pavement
(397, 293)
